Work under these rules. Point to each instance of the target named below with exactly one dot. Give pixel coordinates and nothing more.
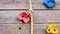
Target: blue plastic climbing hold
(49, 3)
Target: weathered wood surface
(9, 24)
(41, 28)
(25, 28)
(40, 16)
(14, 29)
(23, 4)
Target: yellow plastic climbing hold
(52, 29)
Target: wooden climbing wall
(9, 10)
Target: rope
(31, 13)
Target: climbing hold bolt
(49, 3)
(52, 29)
(24, 16)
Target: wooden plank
(23, 4)
(13, 4)
(47, 16)
(14, 29)
(25, 28)
(40, 16)
(41, 28)
(9, 17)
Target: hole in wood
(19, 27)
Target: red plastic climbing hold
(24, 16)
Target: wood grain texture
(9, 24)
(14, 28)
(41, 28)
(40, 16)
(46, 16)
(23, 4)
